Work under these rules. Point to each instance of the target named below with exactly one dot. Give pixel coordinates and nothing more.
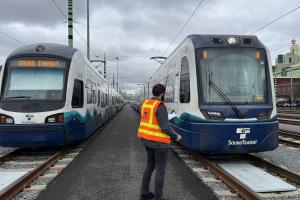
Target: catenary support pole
(117, 58)
(88, 30)
(70, 23)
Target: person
(156, 134)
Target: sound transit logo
(243, 134)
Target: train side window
(77, 99)
(102, 100)
(89, 91)
(93, 93)
(99, 102)
(106, 100)
(184, 94)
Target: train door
(76, 126)
(184, 83)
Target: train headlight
(5, 119)
(9, 120)
(232, 40)
(263, 115)
(215, 115)
(51, 119)
(57, 118)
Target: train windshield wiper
(225, 98)
(22, 97)
(18, 97)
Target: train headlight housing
(263, 115)
(57, 118)
(232, 40)
(214, 115)
(5, 119)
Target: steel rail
(285, 134)
(274, 168)
(289, 143)
(288, 111)
(289, 134)
(289, 115)
(233, 183)
(10, 154)
(289, 121)
(25, 180)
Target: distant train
(220, 93)
(51, 95)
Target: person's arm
(140, 107)
(163, 121)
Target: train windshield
(236, 74)
(35, 80)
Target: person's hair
(158, 89)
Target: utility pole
(70, 23)
(88, 29)
(291, 88)
(113, 80)
(117, 58)
(104, 71)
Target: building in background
(287, 88)
(289, 59)
(286, 74)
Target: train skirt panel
(227, 137)
(74, 129)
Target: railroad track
(289, 118)
(37, 163)
(290, 139)
(236, 188)
(289, 121)
(288, 111)
(9, 154)
(44, 166)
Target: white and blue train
(51, 95)
(220, 93)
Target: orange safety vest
(149, 128)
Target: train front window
(41, 81)
(238, 73)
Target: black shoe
(150, 195)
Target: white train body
(206, 119)
(51, 95)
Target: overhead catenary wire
(274, 20)
(82, 38)
(183, 26)
(60, 10)
(12, 38)
(123, 32)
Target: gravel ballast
(283, 156)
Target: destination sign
(38, 63)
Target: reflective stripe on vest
(149, 128)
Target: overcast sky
(135, 30)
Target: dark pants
(156, 159)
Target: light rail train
(51, 95)
(220, 93)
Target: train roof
(45, 49)
(206, 41)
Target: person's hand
(178, 138)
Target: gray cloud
(135, 30)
